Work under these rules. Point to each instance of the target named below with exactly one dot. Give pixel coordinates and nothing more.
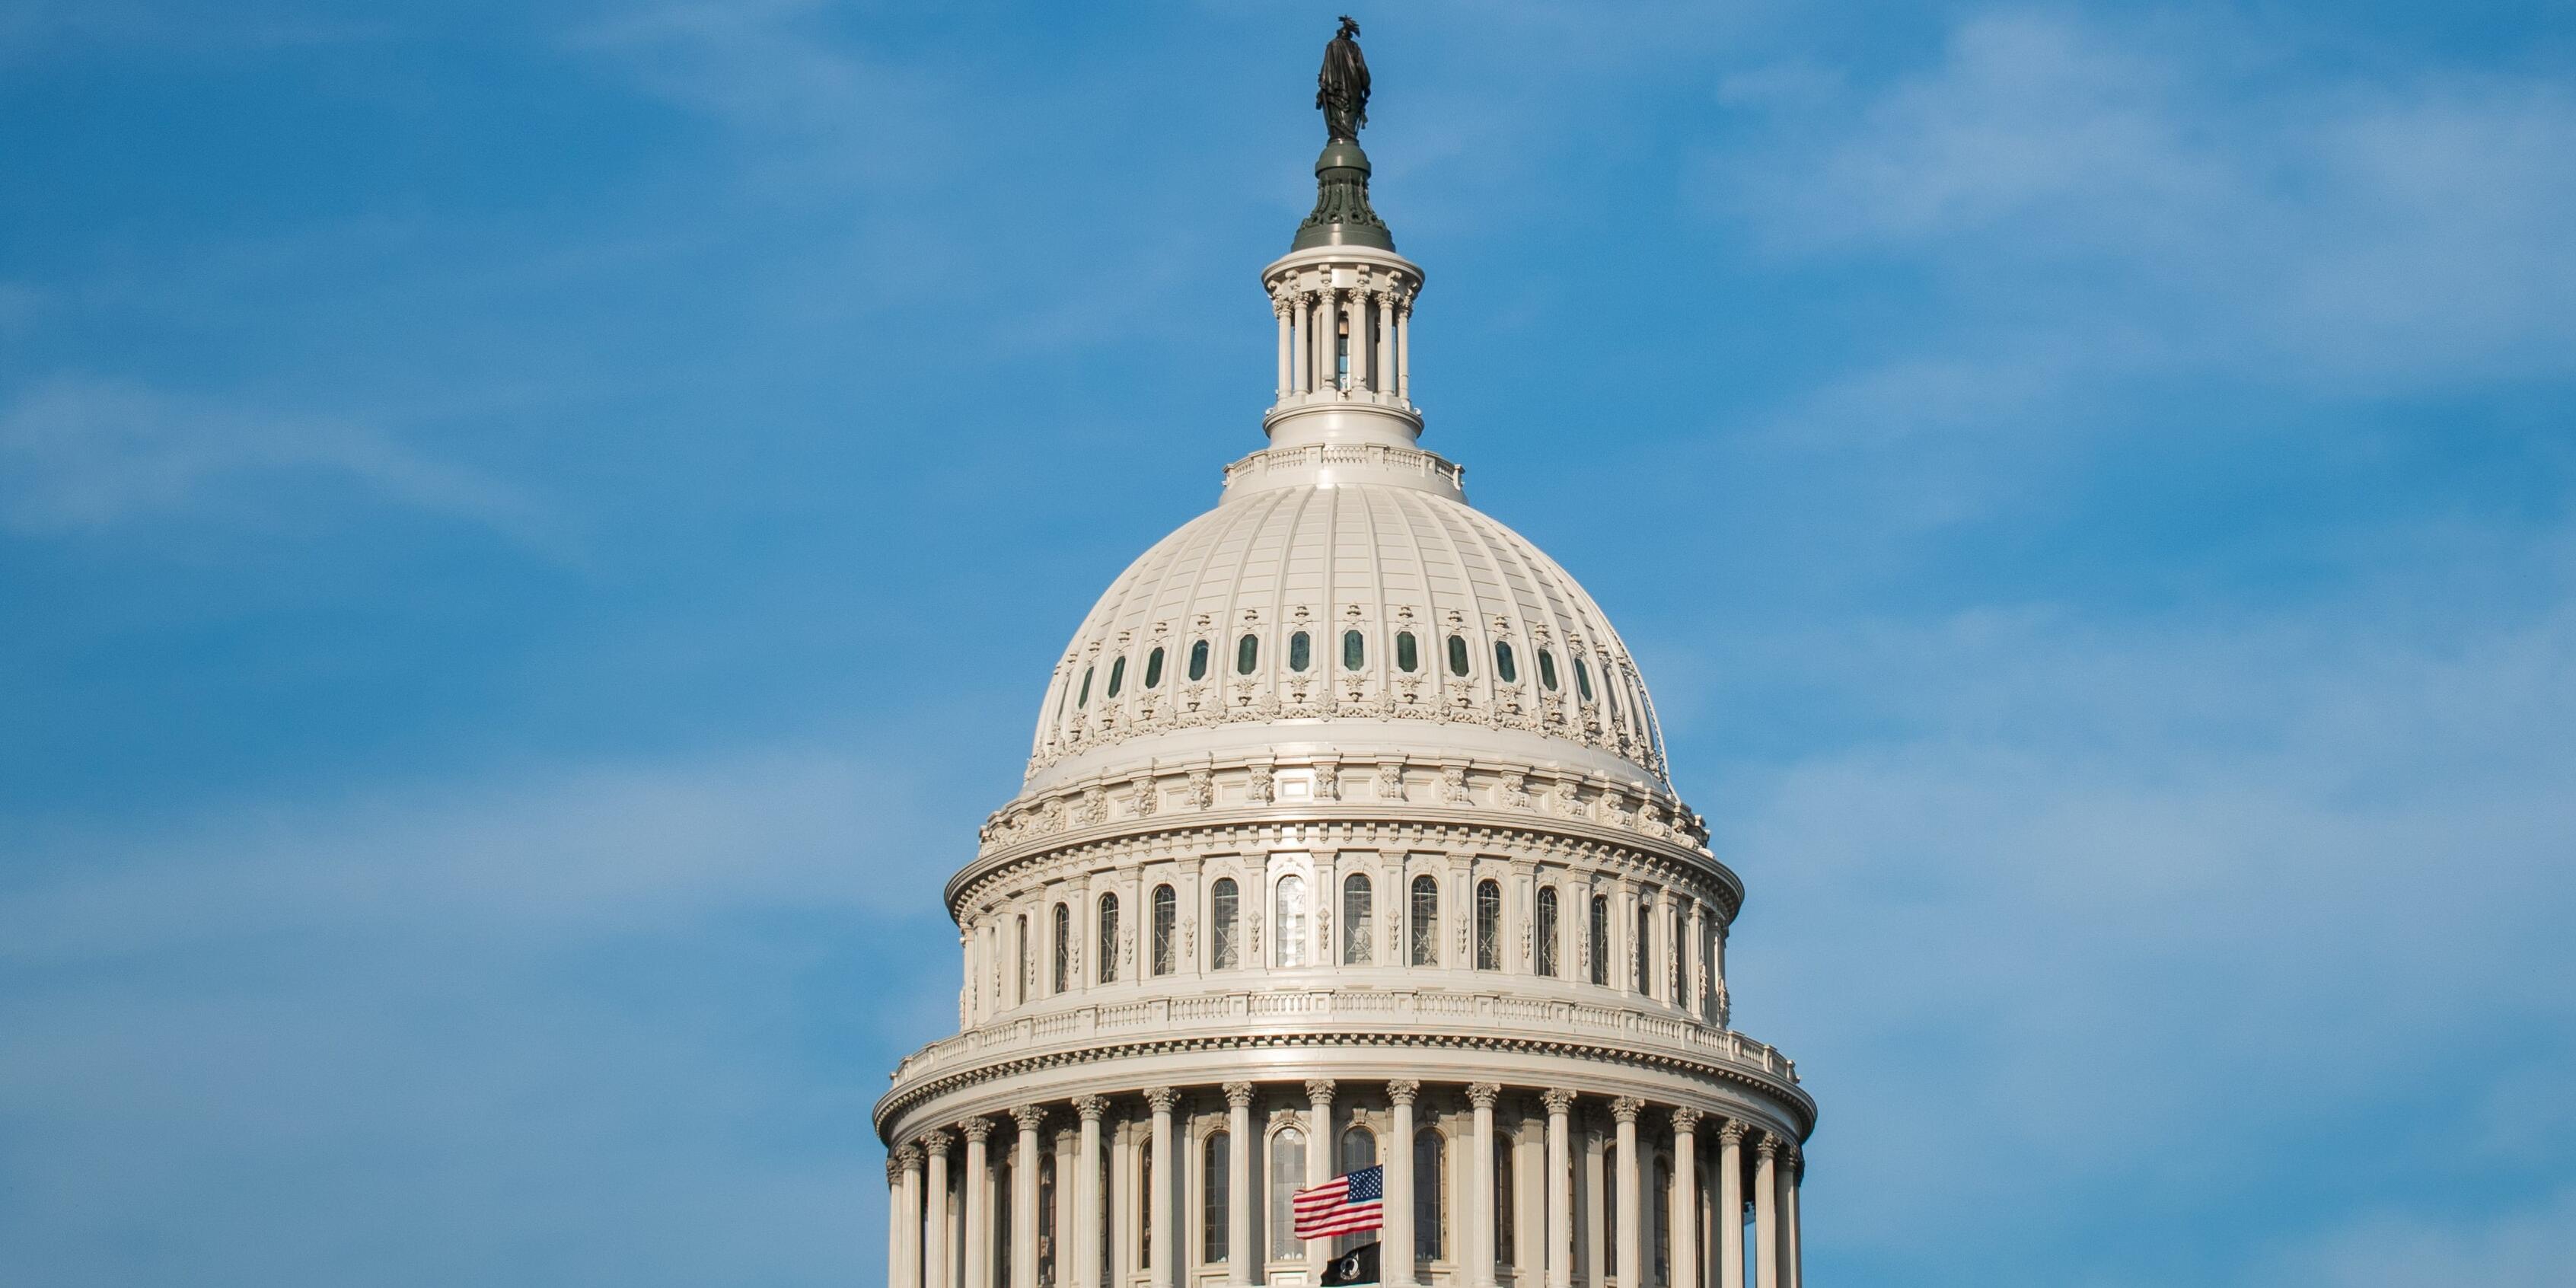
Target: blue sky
(531, 534)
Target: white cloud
(2372, 233)
(2530, 1246)
(83, 455)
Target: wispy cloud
(2404, 230)
(85, 455)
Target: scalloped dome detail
(1202, 632)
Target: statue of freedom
(1342, 88)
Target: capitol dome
(1376, 613)
(1347, 849)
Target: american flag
(1349, 1202)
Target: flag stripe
(1345, 1204)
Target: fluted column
(1287, 338)
(1404, 350)
(1238, 1183)
(1480, 1206)
(1560, 1189)
(908, 1226)
(1383, 368)
(1159, 1203)
(1024, 1198)
(1730, 1205)
(1395, 1264)
(1766, 1209)
(934, 1226)
(1793, 1167)
(1684, 1221)
(979, 1210)
(1086, 1194)
(1319, 1166)
(1632, 1269)
(894, 1221)
(1319, 342)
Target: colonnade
(1380, 324)
(1590, 1242)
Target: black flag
(1357, 1266)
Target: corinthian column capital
(1238, 1095)
(1686, 1119)
(1319, 1092)
(1030, 1117)
(1558, 1099)
(1161, 1099)
(1091, 1109)
(975, 1130)
(935, 1143)
(1626, 1108)
(1402, 1091)
(1483, 1094)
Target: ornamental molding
(904, 1099)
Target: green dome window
(1301, 651)
(1504, 670)
(1154, 667)
(1457, 655)
(1582, 679)
(1247, 653)
(1117, 676)
(1407, 658)
(1546, 670)
(1198, 660)
(1083, 699)
(1354, 650)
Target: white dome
(1354, 548)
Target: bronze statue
(1342, 88)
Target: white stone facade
(1347, 838)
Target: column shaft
(1404, 351)
(894, 1227)
(1766, 1212)
(1632, 1266)
(1395, 1262)
(1482, 1201)
(1287, 337)
(1086, 1196)
(979, 1207)
(1384, 365)
(1319, 1165)
(1792, 1172)
(934, 1231)
(1684, 1220)
(1024, 1200)
(1238, 1183)
(1159, 1203)
(1560, 1191)
(912, 1219)
(1730, 1206)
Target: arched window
(1408, 657)
(1424, 942)
(1505, 1199)
(1643, 950)
(1289, 925)
(1504, 670)
(1430, 1196)
(1545, 933)
(1359, 933)
(1083, 699)
(1199, 660)
(1287, 1172)
(1354, 650)
(1546, 670)
(1020, 964)
(1225, 912)
(1047, 1242)
(1582, 680)
(1002, 1191)
(1359, 1148)
(1108, 973)
(1166, 931)
(1216, 1198)
(1154, 667)
(1610, 1209)
(1247, 653)
(1457, 655)
(1677, 935)
(1489, 925)
(1660, 1208)
(1301, 651)
(1117, 676)
(1596, 946)
(1062, 975)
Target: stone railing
(1375, 457)
(1415, 1010)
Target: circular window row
(1301, 658)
